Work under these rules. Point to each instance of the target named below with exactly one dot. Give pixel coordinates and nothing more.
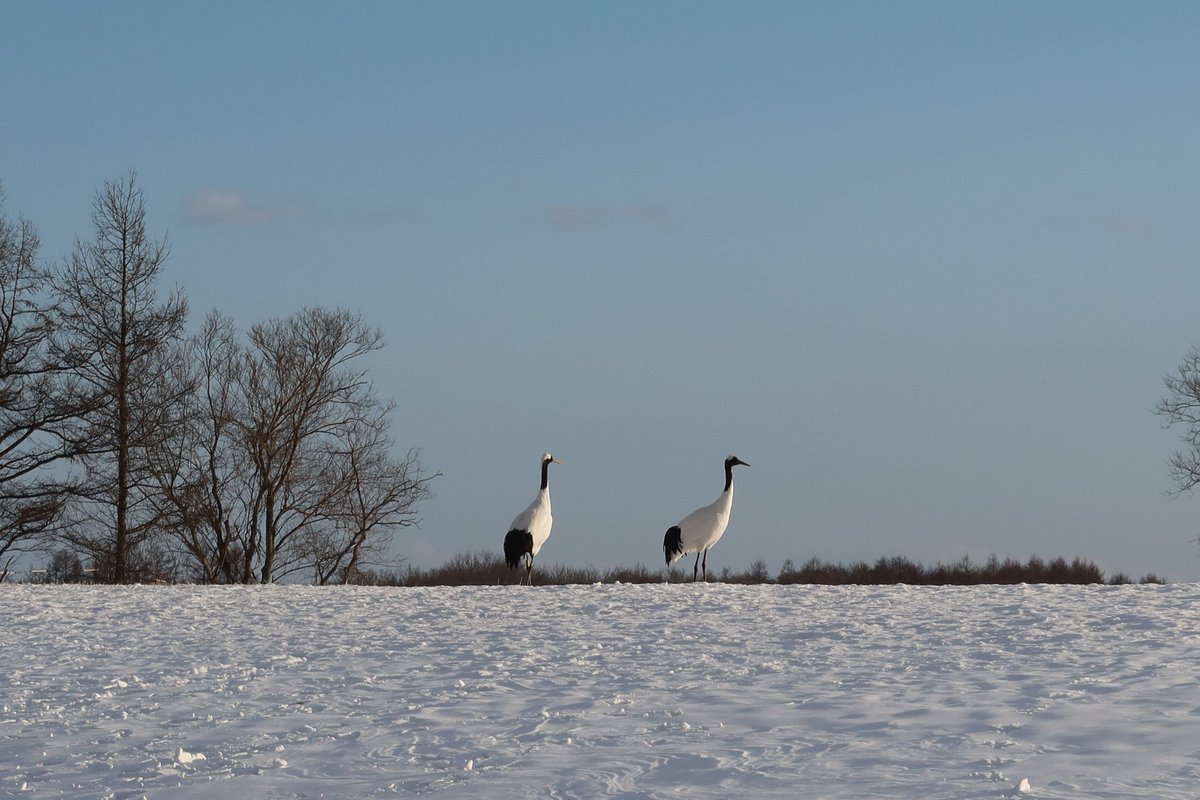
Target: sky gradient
(923, 265)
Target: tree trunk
(268, 566)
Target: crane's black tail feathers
(673, 544)
(517, 544)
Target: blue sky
(923, 265)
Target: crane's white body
(703, 528)
(537, 520)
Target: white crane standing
(701, 529)
(530, 530)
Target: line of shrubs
(484, 568)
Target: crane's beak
(743, 463)
(555, 460)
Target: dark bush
(65, 567)
(638, 574)
(962, 572)
(488, 568)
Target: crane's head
(734, 461)
(548, 459)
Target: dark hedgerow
(484, 568)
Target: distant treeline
(485, 568)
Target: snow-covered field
(609, 690)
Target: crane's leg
(705, 567)
(529, 571)
(696, 567)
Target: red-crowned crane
(530, 530)
(701, 529)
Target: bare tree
(302, 387)
(375, 496)
(35, 402)
(280, 461)
(117, 337)
(207, 499)
(64, 567)
(1181, 406)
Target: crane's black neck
(728, 475)
(545, 474)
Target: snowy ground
(632, 691)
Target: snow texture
(708, 691)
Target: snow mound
(703, 691)
(184, 757)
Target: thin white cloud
(232, 208)
(600, 216)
